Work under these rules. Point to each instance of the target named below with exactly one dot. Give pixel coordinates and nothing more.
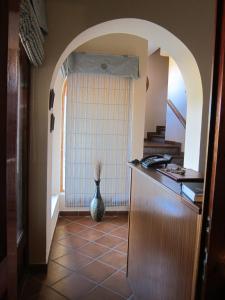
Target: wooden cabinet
(163, 240)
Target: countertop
(169, 184)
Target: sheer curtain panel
(97, 128)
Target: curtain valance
(123, 65)
(32, 27)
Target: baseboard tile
(87, 213)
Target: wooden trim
(176, 112)
(11, 165)
(87, 213)
(64, 92)
(3, 111)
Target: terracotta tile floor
(87, 262)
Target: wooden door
(22, 163)
(14, 76)
(211, 281)
(3, 102)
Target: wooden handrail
(176, 112)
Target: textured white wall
(56, 135)
(177, 94)
(155, 113)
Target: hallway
(87, 261)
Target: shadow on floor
(87, 262)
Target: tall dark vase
(97, 207)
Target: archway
(156, 36)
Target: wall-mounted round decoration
(104, 66)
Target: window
(97, 128)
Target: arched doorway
(156, 36)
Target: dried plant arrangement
(97, 207)
(97, 170)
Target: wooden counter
(164, 230)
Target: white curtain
(97, 128)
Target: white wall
(55, 163)
(56, 135)
(177, 94)
(156, 95)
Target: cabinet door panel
(163, 242)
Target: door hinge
(205, 260)
(208, 224)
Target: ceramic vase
(97, 207)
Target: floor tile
(122, 220)
(74, 286)
(58, 250)
(90, 234)
(73, 241)
(115, 259)
(122, 247)
(118, 282)
(73, 261)
(74, 227)
(108, 219)
(62, 221)
(97, 271)
(87, 221)
(120, 232)
(47, 293)
(80, 268)
(93, 250)
(109, 241)
(54, 273)
(60, 233)
(101, 294)
(73, 217)
(105, 227)
(125, 225)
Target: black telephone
(155, 160)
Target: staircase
(156, 144)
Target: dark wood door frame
(3, 109)
(8, 152)
(211, 280)
(3, 97)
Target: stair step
(160, 129)
(148, 144)
(161, 148)
(157, 138)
